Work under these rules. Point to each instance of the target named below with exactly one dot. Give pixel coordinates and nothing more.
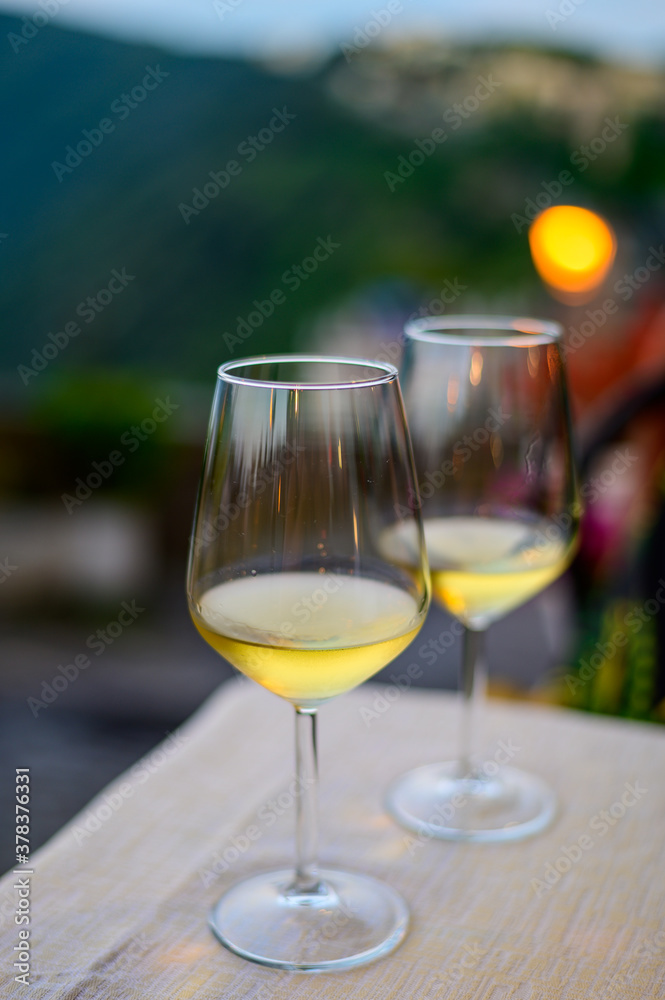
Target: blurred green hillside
(64, 232)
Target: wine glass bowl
(308, 463)
(488, 414)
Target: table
(119, 898)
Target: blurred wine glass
(487, 407)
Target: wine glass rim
(522, 331)
(385, 372)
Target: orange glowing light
(572, 249)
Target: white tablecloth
(119, 898)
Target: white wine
(483, 567)
(308, 636)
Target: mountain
(106, 143)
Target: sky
(628, 30)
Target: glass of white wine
(308, 461)
(487, 407)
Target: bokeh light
(572, 249)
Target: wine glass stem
(307, 802)
(474, 687)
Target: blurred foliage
(323, 175)
(95, 402)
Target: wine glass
(487, 408)
(308, 462)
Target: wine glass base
(434, 801)
(350, 920)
